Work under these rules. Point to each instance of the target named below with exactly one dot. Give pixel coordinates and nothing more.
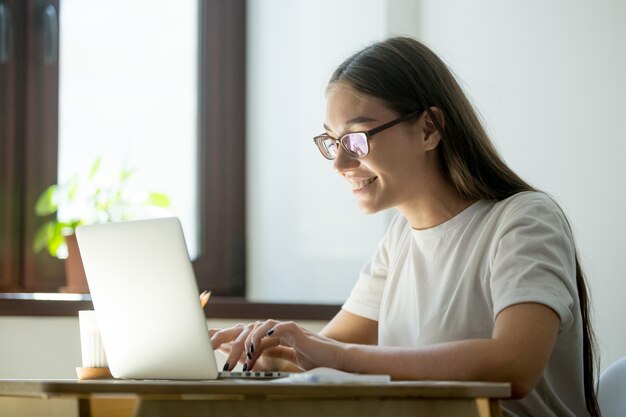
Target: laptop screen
(145, 296)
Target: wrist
(349, 357)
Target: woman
(477, 277)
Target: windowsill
(68, 305)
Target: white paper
(334, 376)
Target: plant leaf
(125, 174)
(50, 235)
(94, 168)
(56, 239)
(158, 199)
(72, 188)
(45, 204)
(43, 235)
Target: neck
(434, 207)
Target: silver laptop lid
(146, 300)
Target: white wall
(36, 347)
(548, 78)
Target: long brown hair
(408, 77)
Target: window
(29, 146)
(128, 86)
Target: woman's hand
(273, 345)
(224, 340)
(232, 342)
(289, 341)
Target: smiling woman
(477, 277)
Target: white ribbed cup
(91, 345)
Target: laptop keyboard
(252, 375)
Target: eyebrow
(353, 121)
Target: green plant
(99, 196)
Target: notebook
(145, 296)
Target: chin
(367, 209)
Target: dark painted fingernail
(251, 347)
(226, 366)
(249, 355)
(245, 367)
(271, 332)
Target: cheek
(394, 155)
(396, 163)
(394, 147)
(381, 157)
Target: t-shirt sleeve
(366, 296)
(534, 260)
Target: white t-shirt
(449, 282)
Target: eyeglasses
(356, 144)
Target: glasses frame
(368, 135)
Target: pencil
(204, 298)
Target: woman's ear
(432, 134)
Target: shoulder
(532, 214)
(529, 205)
(528, 200)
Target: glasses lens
(327, 146)
(355, 144)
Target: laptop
(145, 296)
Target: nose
(344, 162)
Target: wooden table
(247, 398)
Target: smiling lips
(359, 185)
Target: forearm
(468, 360)
(350, 328)
(517, 352)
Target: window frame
(30, 163)
(220, 265)
(9, 207)
(29, 109)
